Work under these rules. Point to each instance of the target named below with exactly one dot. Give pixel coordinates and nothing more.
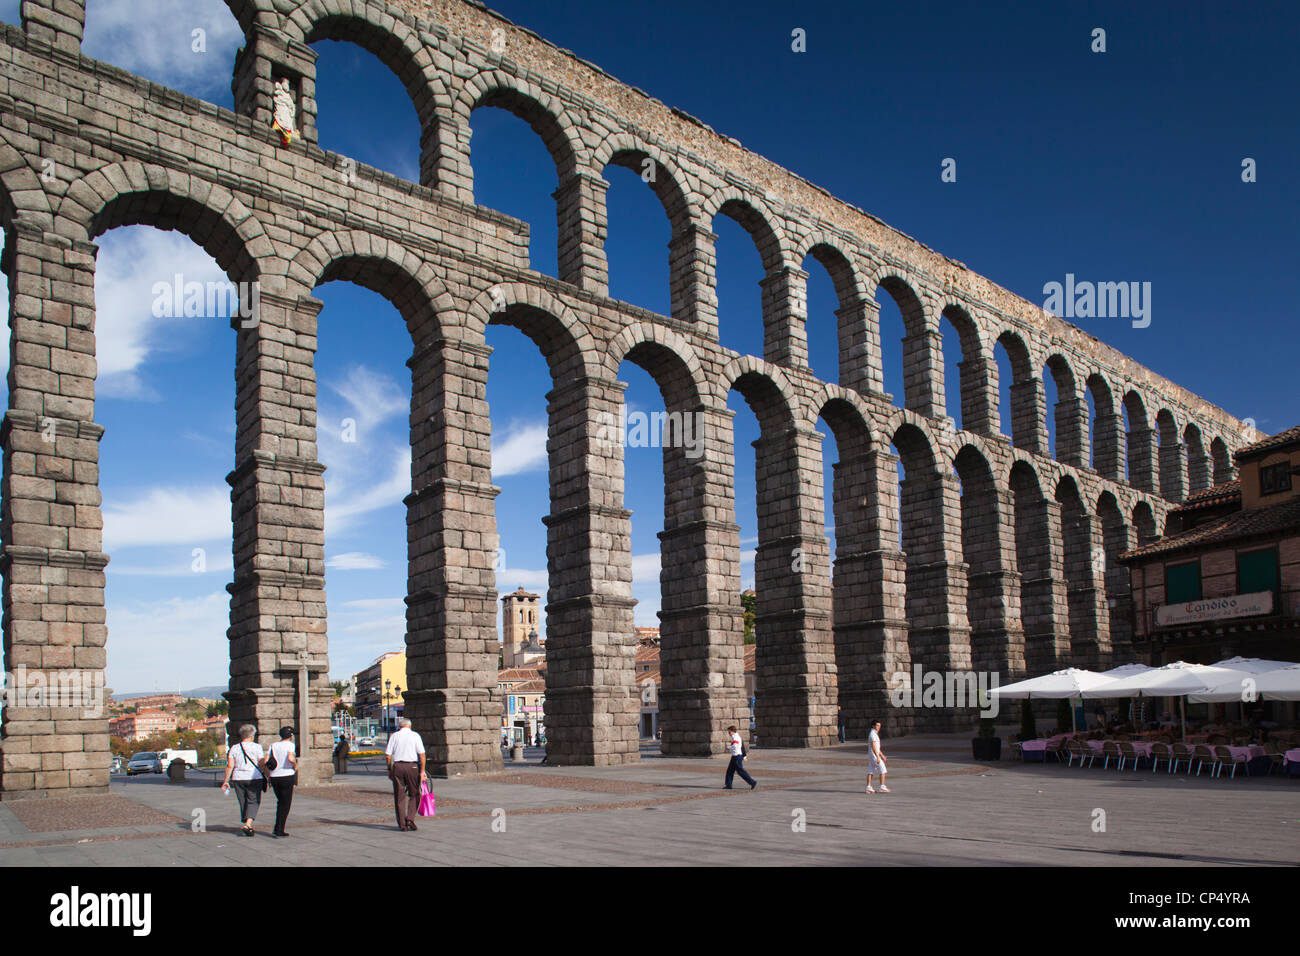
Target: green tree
(749, 605)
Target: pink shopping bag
(428, 805)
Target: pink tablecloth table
(1246, 753)
(1291, 756)
(1033, 745)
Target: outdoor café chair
(1181, 752)
(1077, 748)
(1014, 751)
(1277, 758)
(1056, 749)
(1203, 754)
(1108, 750)
(1159, 752)
(1128, 752)
(1224, 756)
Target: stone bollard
(176, 771)
(517, 752)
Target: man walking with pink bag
(405, 756)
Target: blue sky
(1123, 165)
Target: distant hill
(212, 692)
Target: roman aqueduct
(1007, 556)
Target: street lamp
(397, 696)
(387, 695)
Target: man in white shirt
(405, 756)
(737, 765)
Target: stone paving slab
(810, 810)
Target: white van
(191, 757)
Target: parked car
(145, 762)
(366, 742)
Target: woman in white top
(284, 775)
(875, 758)
(244, 769)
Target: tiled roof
(529, 687)
(1251, 523)
(1288, 437)
(1225, 493)
(518, 674)
(646, 653)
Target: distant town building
(142, 724)
(156, 701)
(523, 701)
(386, 674)
(521, 645)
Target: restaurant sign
(1214, 609)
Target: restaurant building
(1225, 578)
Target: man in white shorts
(875, 759)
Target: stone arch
(383, 266)
(1173, 477)
(795, 659)
(1107, 428)
(547, 115)
(989, 596)
(1198, 461)
(1144, 523)
(132, 193)
(1070, 414)
(1117, 538)
(765, 387)
(857, 335)
(668, 358)
(558, 332)
(1141, 443)
(1223, 470)
(977, 372)
(922, 353)
(1027, 412)
(668, 181)
(753, 215)
(1084, 564)
(1038, 559)
(395, 43)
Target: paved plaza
(810, 809)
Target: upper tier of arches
(1110, 416)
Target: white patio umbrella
(1234, 687)
(1172, 680)
(1282, 683)
(1069, 682)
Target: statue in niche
(285, 112)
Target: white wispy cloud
(522, 448)
(170, 643)
(376, 604)
(159, 41)
(217, 562)
(127, 333)
(169, 516)
(355, 561)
